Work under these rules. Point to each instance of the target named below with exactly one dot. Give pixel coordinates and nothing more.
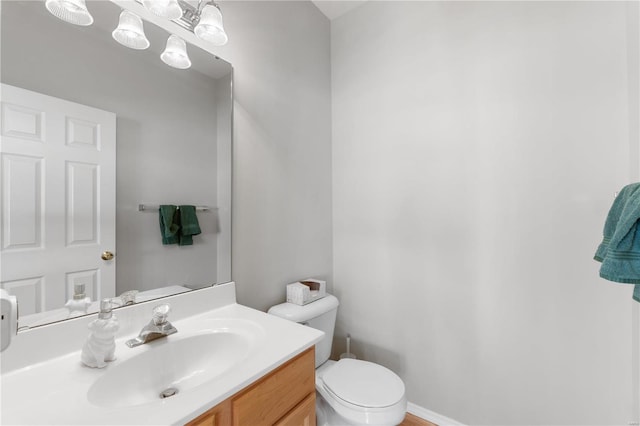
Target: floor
(411, 420)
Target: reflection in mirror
(92, 130)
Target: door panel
(22, 186)
(58, 199)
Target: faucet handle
(160, 313)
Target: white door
(57, 162)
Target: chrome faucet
(158, 327)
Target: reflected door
(58, 199)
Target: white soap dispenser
(80, 302)
(9, 321)
(100, 346)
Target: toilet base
(344, 415)
(327, 416)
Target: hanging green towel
(619, 251)
(189, 223)
(169, 224)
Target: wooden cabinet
(284, 397)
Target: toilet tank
(320, 314)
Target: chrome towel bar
(155, 208)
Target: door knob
(107, 255)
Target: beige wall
(476, 150)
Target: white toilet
(349, 391)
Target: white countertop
(55, 391)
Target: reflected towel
(619, 251)
(189, 224)
(169, 224)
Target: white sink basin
(178, 363)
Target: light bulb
(72, 11)
(130, 31)
(169, 9)
(175, 54)
(210, 26)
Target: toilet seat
(363, 383)
(361, 414)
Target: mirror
(95, 137)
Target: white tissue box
(306, 291)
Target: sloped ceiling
(335, 8)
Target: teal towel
(189, 223)
(619, 251)
(169, 224)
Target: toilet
(349, 391)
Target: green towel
(619, 251)
(169, 224)
(189, 224)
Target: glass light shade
(210, 27)
(169, 9)
(175, 54)
(72, 11)
(130, 32)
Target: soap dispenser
(100, 346)
(79, 303)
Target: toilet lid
(364, 383)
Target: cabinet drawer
(267, 401)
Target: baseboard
(431, 416)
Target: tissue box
(306, 291)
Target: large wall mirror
(95, 137)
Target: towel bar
(155, 208)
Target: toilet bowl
(349, 391)
(358, 392)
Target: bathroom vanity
(228, 364)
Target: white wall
(476, 150)
(280, 52)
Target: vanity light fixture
(204, 20)
(175, 54)
(72, 11)
(130, 32)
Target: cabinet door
(220, 415)
(303, 415)
(277, 394)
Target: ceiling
(335, 8)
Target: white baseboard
(431, 416)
